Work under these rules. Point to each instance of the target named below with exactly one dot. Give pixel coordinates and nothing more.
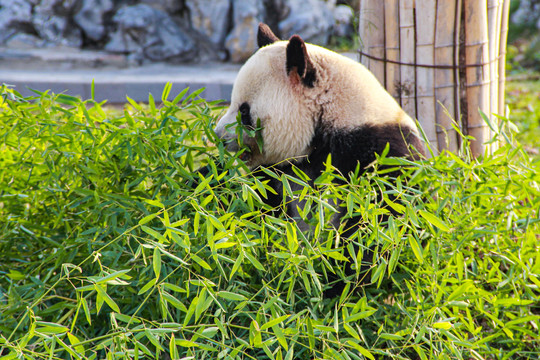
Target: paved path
(72, 71)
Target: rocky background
(176, 31)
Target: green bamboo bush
(113, 246)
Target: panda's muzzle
(226, 130)
(236, 128)
(229, 138)
(237, 132)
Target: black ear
(298, 60)
(265, 36)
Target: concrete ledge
(74, 76)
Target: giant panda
(309, 103)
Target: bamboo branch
(372, 35)
(494, 23)
(477, 78)
(425, 53)
(502, 53)
(407, 53)
(391, 18)
(363, 31)
(494, 12)
(376, 45)
(445, 79)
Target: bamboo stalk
(477, 77)
(391, 19)
(363, 30)
(494, 23)
(376, 45)
(407, 54)
(425, 54)
(458, 36)
(494, 11)
(372, 35)
(469, 35)
(502, 55)
(445, 81)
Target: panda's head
(288, 90)
(272, 94)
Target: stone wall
(175, 31)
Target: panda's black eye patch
(245, 114)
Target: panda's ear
(298, 61)
(265, 36)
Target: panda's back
(354, 95)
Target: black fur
(298, 60)
(359, 146)
(265, 36)
(245, 115)
(348, 149)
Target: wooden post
(494, 11)
(391, 17)
(377, 48)
(443, 60)
(446, 79)
(477, 76)
(502, 55)
(372, 17)
(407, 52)
(426, 20)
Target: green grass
(523, 97)
(111, 246)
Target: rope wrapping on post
(430, 66)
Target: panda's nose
(220, 129)
(225, 127)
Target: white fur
(346, 95)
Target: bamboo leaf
(434, 220)
(166, 91)
(201, 262)
(442, 325)
(108, 300)
(156, 262)
(231, 296)
(361, 349)
(274, 322)
(154, 234)
(148, 286)
(417, 250)
(76, 343)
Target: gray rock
(57, 30)
(151, 34)
(242, 41)
(52, 21)
(169, 6)
(121, 42)
(90, 17)
(211, 18)
(276, 10)
(14, 17)
(311, 19)
(170, 30)
(24, 41)
(60, 8)
(343, 17)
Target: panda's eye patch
(245, 115)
